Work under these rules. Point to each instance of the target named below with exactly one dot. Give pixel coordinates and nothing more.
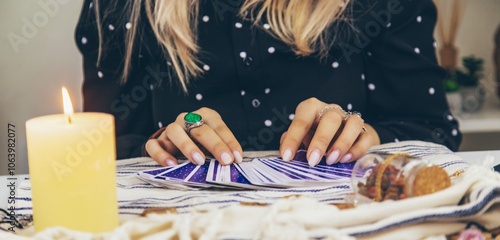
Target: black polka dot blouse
(382, 64)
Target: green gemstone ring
(192, 120)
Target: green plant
(472, 72)
(450, 82)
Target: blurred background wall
(475, 36)
(45, 58)
(33, 70)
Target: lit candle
(73, 170)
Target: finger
(213, 119)
(332, 155)
(350, 132)
(184, 143)
(323, 136)
(203, 149)
(305, 115)
(166, 144)
(282, 137)
(362, 144)
(227, 137)
(307, 139)
(159, 154)
(207, 137)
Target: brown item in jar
(430, 180)
(386, 182)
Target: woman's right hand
(213, 135)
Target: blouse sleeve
(406, 97)
(129, 103)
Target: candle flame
(68, 107)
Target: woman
(264, 74)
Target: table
(486, 120)
(472, 157)
(385, 220)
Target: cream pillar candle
(73, 170)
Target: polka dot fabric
(388, 72)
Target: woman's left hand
(326, 130)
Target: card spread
(260, 173)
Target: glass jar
(379, 177)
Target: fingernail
(226, 158)
(287, 155)
(346, 158)
(170, 162)
(314, 158)
(198, 158)
(333, 157)
(237, 156)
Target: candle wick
(69, 119)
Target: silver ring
(349, 114)
(329, 107)
(192, 120)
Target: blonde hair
(302, 24)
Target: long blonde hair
(301, 24)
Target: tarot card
(149, 175)
(299, 174)
(322, 171)
(153, 172)
(344, 169)
(306, 172)
(187, 174)
(273, 175)
(257, 174)
(275, 169)
(247, 170)
(228, 176)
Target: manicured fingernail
(170, 162)
(287, 155)
(346, 158)
(226, 158)
(237, 156)
(314, 158)
(198, 158)
(333, 157)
